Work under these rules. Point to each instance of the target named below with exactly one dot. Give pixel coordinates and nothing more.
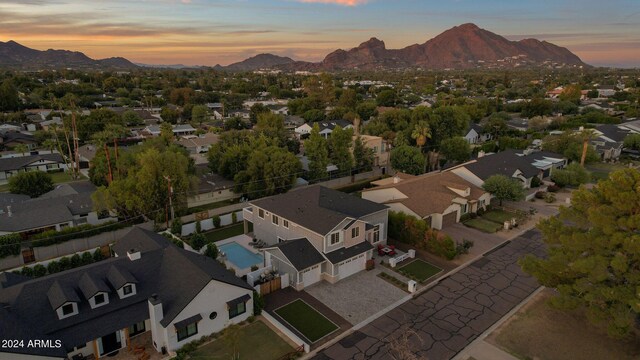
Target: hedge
(9, 245)
(52, 237)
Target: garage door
(311, 276)
(352, 266)
(449, 219)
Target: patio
(142, 341)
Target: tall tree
(317, 151)
(340, 153)
(421, 132)
(456, 149)
(199, 114)
(408, 159)
(504, 188)
(363, 156)
(9, 99)
(32, 183)
(594, 253)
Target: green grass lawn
(483, 225)
(225, 232)
(601, 171)
(257, 341)
(419, 270)
(310, 323)
(498, 216)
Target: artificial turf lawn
(310, 323)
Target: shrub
(216, 221)
(76, 260)
(176, 226)
(86, 258)
(258, 303)
(9, 245)
(480, 211)
(212, 251)
(549, 198)
(198, 227)
(53, 267)
(441, 245)
(573, 175)
(536, 182)
(234, 217)
(65, 263)
(39, 270)
(540, 194)
(97, 255)
(405, 228)
(197, 241)
(465, 217)
(178, 243)
(463, 248)
(254, 267)
(27, 271)
(76, 232)
(553, 188)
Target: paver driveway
(445, 319)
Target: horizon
(210, 32)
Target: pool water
(240, 256)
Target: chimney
(133, 254)
(155, 316)
(9, 213)
(480, 154)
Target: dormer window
(127, 289)
(99, 299)
(68, 309)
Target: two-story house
(317, 233)
(151, 287)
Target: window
(187, 331)
(285, 223)
(334, 238)
(67, 309)
(127, 289)
(376, 233)
(261, 213)
(137, 328)
(237, 310)
(275, 219)
(280, 239)
(464, 208)
(355, 232)
(213, 315)
(99, 299)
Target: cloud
(337, 2)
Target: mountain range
(461, 47)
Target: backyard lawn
(600, 171)
(483, 225)
(419, 270)
(498, 216)
(257, 341)
(310, 323)
(225, 232)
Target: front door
(110, 343)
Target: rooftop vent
(133, 254)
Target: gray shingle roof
(16, 163)
(318, 208)
(174, 274)
(339, 255)
(90, 284)
(300, 253)
(502, 163)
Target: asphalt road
(443, 320)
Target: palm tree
(21, 148)
(586, 135)
(49, 144)
(421, 132)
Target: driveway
(359, 296)
(482, 241)
(446, 318)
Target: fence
(293, 337)
(207, 224)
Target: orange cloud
(338, 2)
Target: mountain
(464, 46)
(461, 47)
(13, 54)
(261, 61)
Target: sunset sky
(209, 32)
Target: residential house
(303, 129)
(48, 124)
(178, 130)
(11, 139)
(546, 161)
(440, 198)
(211, 188)
(279, 109)
(379, 148)
(198, 144)
(65, 206)
(317, 233)
(7, 127)
(242, 114)
(477, 135)
(606, 91)
(326, 127)
(10, 166)
(151, 287)
(507, 163)
(609, 141)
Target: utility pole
(110, 176)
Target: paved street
(445, 319)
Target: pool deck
(242, 240)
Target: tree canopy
(594, 253)
(504, 188)
(408, 159)
(32, 183)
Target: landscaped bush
(553, 188)
(258, 303)
(216, 221)
(212, 251)
(463, 248)
(176, 226)
(406, 228)
(549, 198)
(9, 245)
(536, 182)
(234, 217)
(540, 194)
(573, 175)
(468, 216)
(198, 227)
(441, 245)
(64, 263)
(39, 270)
(52, 237)
(197, 241)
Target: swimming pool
(240, 256)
